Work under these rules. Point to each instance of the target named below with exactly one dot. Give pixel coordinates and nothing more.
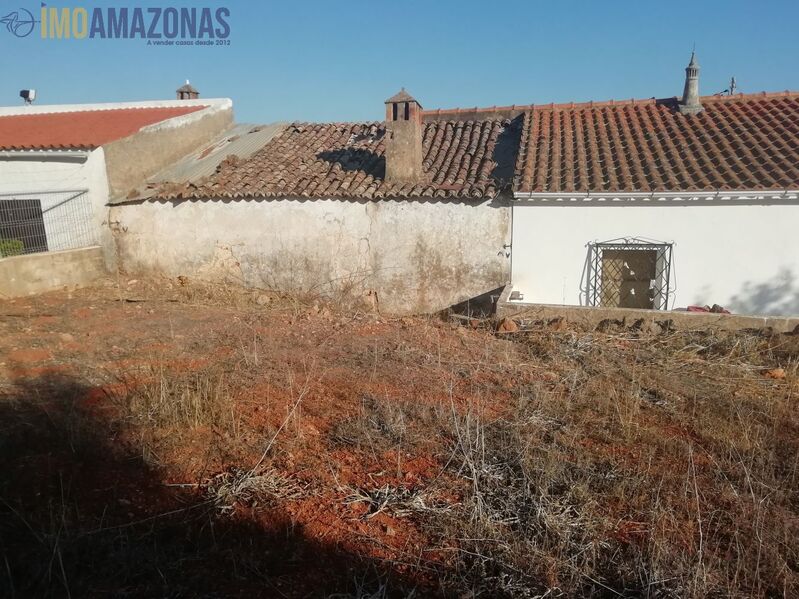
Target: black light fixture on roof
(28, 95)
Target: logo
(20, 22)
(157, 25)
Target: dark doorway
(22, 221)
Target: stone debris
(507, 325)
(776, 374)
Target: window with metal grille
(37, 222)
(629, 273)
(22, 226)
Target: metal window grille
(32, 223)
(629, 272)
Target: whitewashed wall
(418, 256)
(53, 172)
(744, 257)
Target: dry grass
(244, 487)
(190, 400)
(539, 464)
(638, 466)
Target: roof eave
(622, 196)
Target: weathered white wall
(417, 256)
(53, 172)
(744, 257)
(36, 273)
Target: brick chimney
(187, 92)
(403, 138)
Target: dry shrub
(246, 487)
(660, 466)
(528, 522)
(399, 502)
(182, 400)
(383, 423)
(655, 467)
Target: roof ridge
(602, 103)
(375, 123)
(753, 95)
(121, 109)
(335, 123)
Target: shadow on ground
(80, 517)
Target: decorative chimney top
(690, 103)
(401, 96)
(403, 138)
(187, 92)
(402, 106)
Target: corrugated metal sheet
(241, 141)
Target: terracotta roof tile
(80, 130)
(746, 142)
(743, 142)
(461, 159)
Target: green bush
(10, 247)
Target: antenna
(733, 86)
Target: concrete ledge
(591, 317)
(37, 273)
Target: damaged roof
(461, 159)
(241, 141)
(741, 142)
(82, 129)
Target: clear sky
(337, 60)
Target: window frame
(664, 268)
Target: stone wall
(410, 256)
(132, 160)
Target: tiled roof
(744, 142)
(462, 159)
(80, 130)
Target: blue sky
(339, 59)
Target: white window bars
(629, 273)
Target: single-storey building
(660, 203)
(413, 212)
(641, 203)
(61, 165)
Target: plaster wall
(37, 273)
(411, 256)
(30, 174)
(742, 256)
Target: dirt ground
(162, 438)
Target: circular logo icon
(20, 22)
